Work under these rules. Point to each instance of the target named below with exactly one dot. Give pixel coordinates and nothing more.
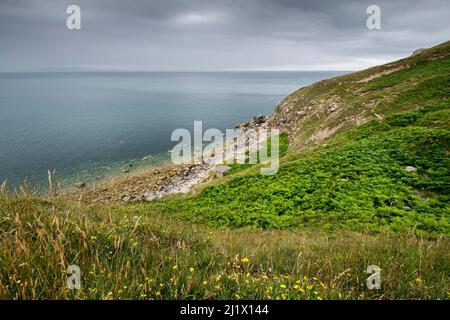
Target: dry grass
(126, 252)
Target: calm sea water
(90, 125)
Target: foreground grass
(130, 253)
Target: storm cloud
(215, 35)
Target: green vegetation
(283, 144)
(357, 182)
(339, 203)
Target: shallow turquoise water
(90, 125)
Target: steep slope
(313, 114)
(385, 164)
(392, 175)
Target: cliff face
(317, 112)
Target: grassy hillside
(358, 181)
(341, 201)
(347, 167)
(315, 113)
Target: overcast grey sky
(215, 35)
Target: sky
(213, 35)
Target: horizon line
(164, 71)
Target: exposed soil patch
(380, 74)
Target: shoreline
(151, 183)
(158, 182)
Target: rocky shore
(159, 182)
(145, 185)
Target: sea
(88, 126)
